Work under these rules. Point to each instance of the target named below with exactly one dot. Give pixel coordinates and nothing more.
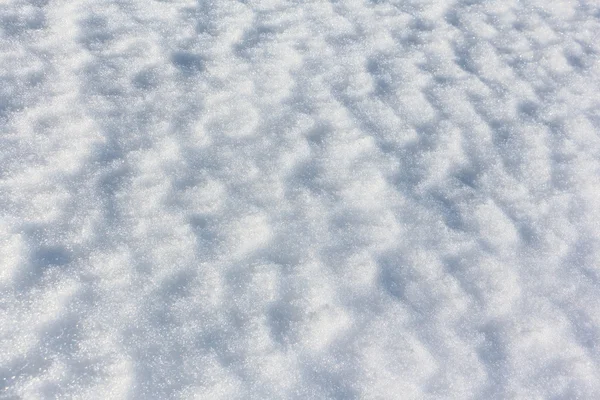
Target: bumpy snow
(278, 199)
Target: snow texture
(285, 199)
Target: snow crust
(359, 199)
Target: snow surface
(277, 199)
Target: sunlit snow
(281, 199)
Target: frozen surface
(360, 199)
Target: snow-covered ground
(278, 199)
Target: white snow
(276, 199)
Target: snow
(276, 199)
